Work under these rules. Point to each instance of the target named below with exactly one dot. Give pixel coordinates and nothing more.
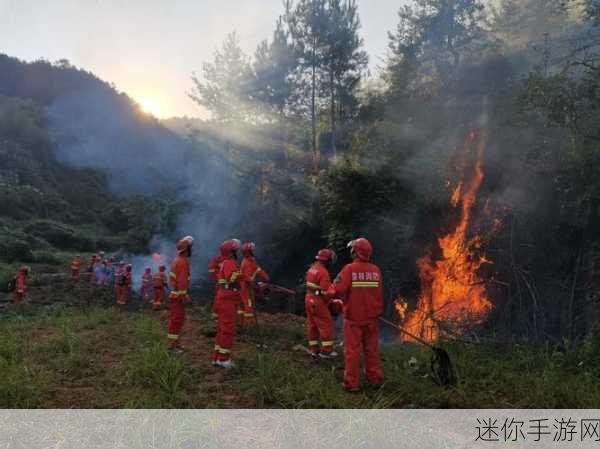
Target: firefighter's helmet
(229, 247)
(361, 248)
(326, 255)
(248, 248)
(184, 244)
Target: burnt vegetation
(306, 148)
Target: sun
(150, 106)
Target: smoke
(98, 128)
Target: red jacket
(180, 279)
(160, 279)
(318, 281)
(213, 267)
(21, 283)
(250, 269)
(228, 280)
(359, 285)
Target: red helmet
(184, 244)
(361, 248)
(248, 248)
(228, 247)
(326, 255)
(162, 268)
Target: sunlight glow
(150, 106)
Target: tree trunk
(313, 115)
(333, 121)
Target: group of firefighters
(356, 292)
(119, 275)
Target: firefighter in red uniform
(21, 285)
(319, 322)
(359, 285)
(92, 267)
(179, 278)
(125, 285)
(250, 271)
(160, 282)
(147, 285)
(75, 269)
(227, 302)
(213, 272)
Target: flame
(451, 289)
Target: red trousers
(176, 321)
(361, 337)
(159, 295)
(246, 313)
(123, 295)
(319, 324)
(18, 297)
(226, 310)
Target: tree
(225, 87)
(308, 23)
(274, 66)
(431, 40)
(343, 58)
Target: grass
(103, 357)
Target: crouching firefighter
(359, 285)
(20, 285)
(250, 271)
(179, 278)
(226, 304)
(319, 322)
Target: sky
(150, 48)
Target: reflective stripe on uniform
(365, 284)
(173, 336)
(327, 343)
(313, 342)
(221, 350)
(212, 270)
(240, 312)
(179, 292)
(173, 275)
(248, 315)
(313, 285)
(258, 270)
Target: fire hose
(441, 365)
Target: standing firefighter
(147, 285)
(227, 302)
(92, 268)
(21, 285)
(160, 282)
(319, 323)
(75, 269)
(359, 285)
(250, 271)
(213, 272)
(125, 281)
(180, 282)
(119, 270)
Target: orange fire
(451, 289)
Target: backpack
(11, 285)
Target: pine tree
(226, 84)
